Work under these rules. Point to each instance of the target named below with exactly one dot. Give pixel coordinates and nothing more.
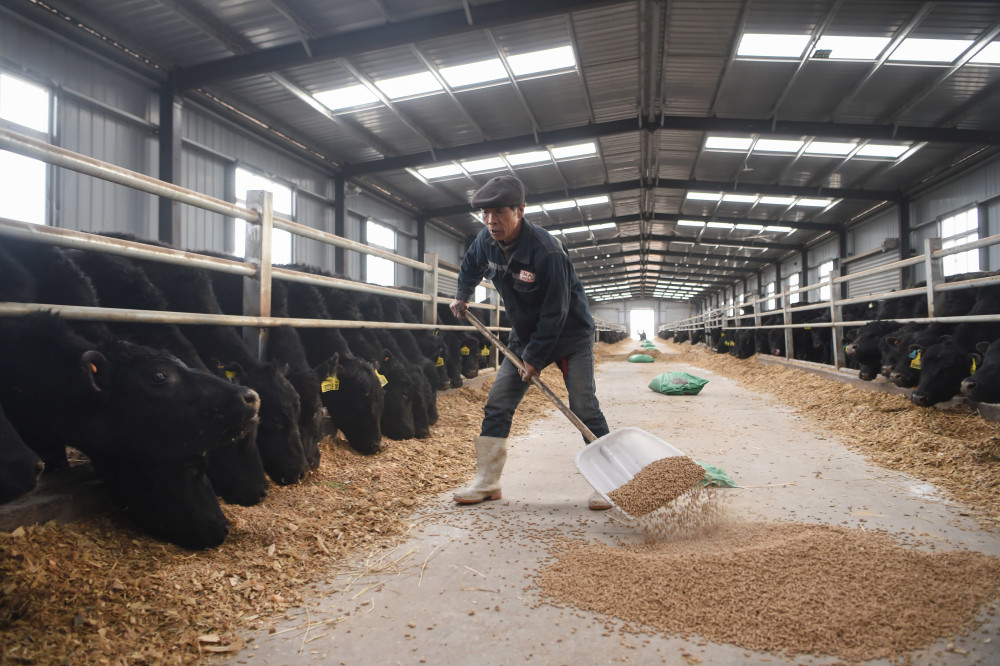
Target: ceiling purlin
(897, 39)
(202, 19)
(918, 96)
(306, 31)
(401, 33)
(403, 117)
(734, 43)
(432, 68)
(535, 128)
(806, 55)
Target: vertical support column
(257, 289)
(836, 316)
(935, 275)
(430, 288)
(339, 222)
(171, 116)
(786, 318)
(905, 244)
(421, 247)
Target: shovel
(607, 462)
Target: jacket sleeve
(473, 269)
(553, 312)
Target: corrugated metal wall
(872, 236)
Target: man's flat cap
(498, 192)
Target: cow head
(355, 400)
(397, 418)
(278, 437)
(983, 385)
(943, 367)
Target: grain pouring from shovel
(631, 468)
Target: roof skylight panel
(750, 227)
(484, 71)
(830, 147)
(604, 225)
(532, 209)
(847, 47)
(719, 225)
(772, 45)
(739, 198)
(559, 205)
(345, 98)
(915, 49)
(989, 55)
(778, 229)
(690, 223)
(881, 150)
(816, 203)
(488, 164)
(778, 145)
(777, 201)
(592, 201)
(409, 85)
(442, 171)
(533, 157)
(704, 196)
(576, 150)
(727, 143)
(547, 60)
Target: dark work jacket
(540, 289)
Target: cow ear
(232, 371)
(891, 340)
(329, 367)
(97, 368)
(981, 347)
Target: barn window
(793, 283)
(380, 271)
(24, 108)
(480, 294)
(281, 241)
(958, 230)
(770, 305)
(824, 271)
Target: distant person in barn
(550, 323)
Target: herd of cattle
(174, 416)
(938, 360)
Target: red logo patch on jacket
(526, 276)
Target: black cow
(351, 392)
(462, 361)
(144, 419)
(947, 362)
(20, 467)
(865, 349)
(236, 470)
(983, 385)
(279, 440)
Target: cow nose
(968, 386)
(252, 399)
(895, 377)
(852, 350)
(919, 399)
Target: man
(550, 323)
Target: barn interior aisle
(468, 581)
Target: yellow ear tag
(972, 370)
(485, 351)
(439, 362)
(330, 384)
(230, 375)
(381, 378)
(465, 351)
(915, 363)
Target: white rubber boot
(491, 454)
(598, 503)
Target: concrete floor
(459, 590)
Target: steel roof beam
(693, 256)
(693, 123)
(692, 239)
(387, 36)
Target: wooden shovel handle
(574, 419)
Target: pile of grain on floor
(97, 591)
(657, 484)
(780, 587)
(952, 448)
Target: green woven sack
(715, 476)
(677, 383)
(647, 344)
(640, 358)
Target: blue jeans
(577, 365)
